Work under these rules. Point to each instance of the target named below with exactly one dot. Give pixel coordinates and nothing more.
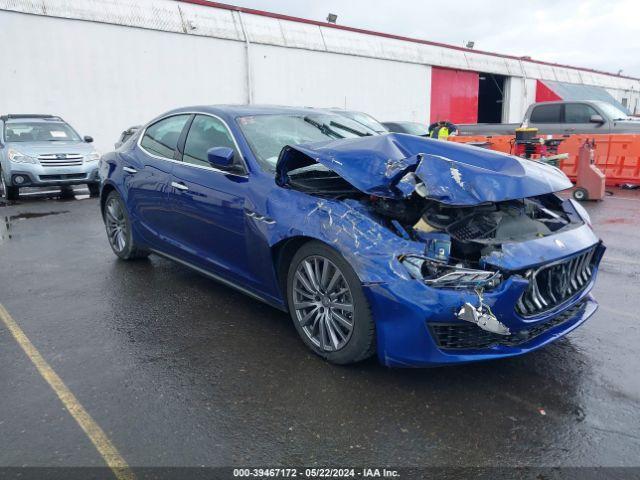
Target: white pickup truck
(563, 118)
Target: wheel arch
(281, 255)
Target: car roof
(248, 110)
(31, 117)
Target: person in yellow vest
(442, 129)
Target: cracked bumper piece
(429, 331)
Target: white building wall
(132, 75)
(519, 93)
(386, 89)
(147, 56)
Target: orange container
(618, 156)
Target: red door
(454, 95)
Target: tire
(7, 192)
(12, 193)
(581, 194)
(118, 227)
(319, 307)
(94, 189)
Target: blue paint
(453, 174)
(232, 224)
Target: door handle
(129, 170)
(179, 186)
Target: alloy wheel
(3, 186)
(323, 303)
(116, 223)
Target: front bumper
(36, 175)
(409, 332)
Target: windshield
(39, 132)
(613, 112)
(366, 120)
(267, 135)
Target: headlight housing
(440, 275)
(17, 157)
(92, 157)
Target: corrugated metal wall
(83, 60)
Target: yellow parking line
(107, 450)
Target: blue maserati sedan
(425, 252)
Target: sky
(603, 35)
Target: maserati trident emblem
(560, 243)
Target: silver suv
(43, 151)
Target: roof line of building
(279, 16)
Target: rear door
(208, 218)
(147, 177)
(547, 119)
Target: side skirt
(220, 279)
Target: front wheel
(9, 193)
(328, 306)
(118, 226)
(94, 189)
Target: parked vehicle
(362, 118)
(427, 252)
(563, 118)
(126, 135)
(412, 128)
(44, 151)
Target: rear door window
(546, 113)
(578, 113)
(206, 132)
(161, 138)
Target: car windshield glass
(267, 135)
(612, 111)
(39, 132)
(366, 120)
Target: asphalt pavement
(178, 370)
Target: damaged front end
(492, 246)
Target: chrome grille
(60, 160)
(553, 284)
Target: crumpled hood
(452, 173)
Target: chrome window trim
(201, 167)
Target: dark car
(426, 252)
(412, 128)
(126, 135)
(362, 118)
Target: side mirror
(88, 139)
(596, 119)
(220, 157)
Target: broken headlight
(440, 275)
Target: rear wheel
(327, 305)
(118, 228)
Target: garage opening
(490, 97)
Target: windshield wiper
(350, 130)
(322, 127)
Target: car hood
(395, 165)
(33, 149)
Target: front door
(209, 218)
